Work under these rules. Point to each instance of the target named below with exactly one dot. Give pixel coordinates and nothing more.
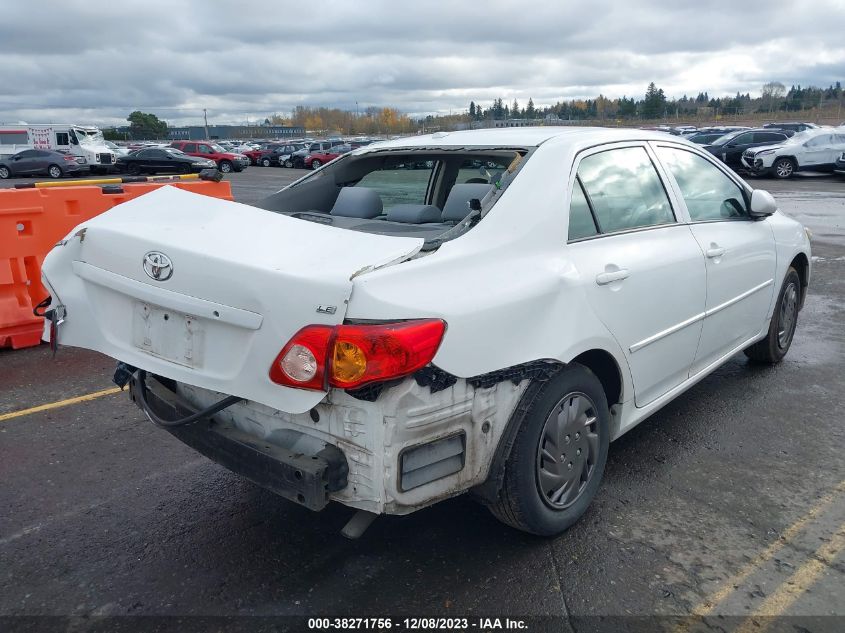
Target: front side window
(708, 193)
(624, 190)
(204, 149)
(743, 139)
(819, 141)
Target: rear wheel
(54, 171)
(557, 460)
(226, 167)
(774, 347)
(4, 172)
(783, 168)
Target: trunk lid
(206, 291)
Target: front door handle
(603, 279)
(715, 251)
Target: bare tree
(772, 91)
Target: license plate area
(168, 334)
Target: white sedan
(473, 311)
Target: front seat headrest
(357, 202)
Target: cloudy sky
(96, 61)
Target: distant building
(197, 132)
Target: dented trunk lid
(206, 291)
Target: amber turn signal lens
(349, 362)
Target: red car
(226, 161)
(318, 158)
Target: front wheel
(557, 460)
(289, 163)
(54, 171)
(783, 168)
(265, 162)
(134, 169)
(315, 164)
(226, 167)
(774, 347)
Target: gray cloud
(96, 61)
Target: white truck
(80, 140)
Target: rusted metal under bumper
(302, 478)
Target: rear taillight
(72, 159)
(349, 356)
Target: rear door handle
(716, 251)
(603, 279)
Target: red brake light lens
(349, 356)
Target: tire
(226, 167)
(315, 164)
(265, 162)
(775, 345)
(783, 168)
(54, 171)
(134, 169)
(289, 163)
(4, 172)
(542, 452)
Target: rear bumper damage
(407, 449)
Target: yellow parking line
(794, 587)
(60, 403)
(712, 601)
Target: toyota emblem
(158, 266)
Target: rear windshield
(432, 193)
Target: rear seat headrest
(358, 202)
(457, 204)
(413, 213)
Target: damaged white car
(477, 311)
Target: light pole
(205, 118)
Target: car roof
(518, 137)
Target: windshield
(725, 138)
(89, 137)
(218, 149)
(174, 151)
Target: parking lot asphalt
(728, 503)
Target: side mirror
(762, 204)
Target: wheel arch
(802, 265)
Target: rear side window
(581, 223)
(708, 193)
(624, 190)
(189, 147)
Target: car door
(819, 152)
(641, 269)
(25, 163)
(739, 252)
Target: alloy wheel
(784, 169)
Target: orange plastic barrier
(31, 222)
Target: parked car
(320, 157)
(704, 138)
(297, 159)
(814, 149)
(226, 161)
(795, 126)
(839, 167)
(168, 160)
(116, 149)
(388, 340)
(43, 162)
(279, 155)
(731, 146)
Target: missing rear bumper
(303, 478)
